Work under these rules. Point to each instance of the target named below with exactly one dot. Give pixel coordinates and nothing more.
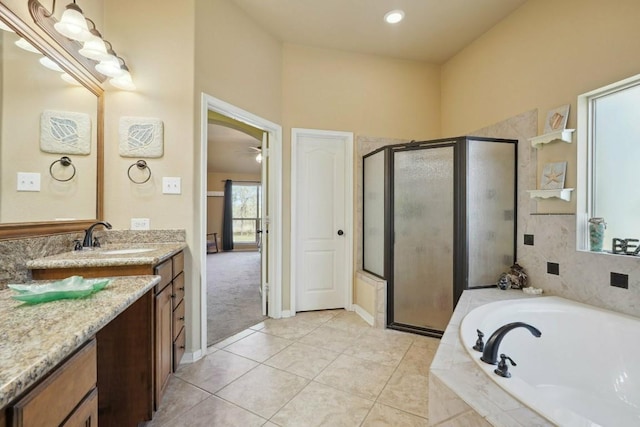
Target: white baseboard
(286, 313)
(191, 356)
(364, 314)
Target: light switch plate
(28, 181)
(171, 185)
(140, 223)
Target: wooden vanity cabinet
(168, 312)
(67, 397)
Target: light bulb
(110, 67)
(95, 49)
(394, 16)
(50, 64)
(124, 81)
(259, 158)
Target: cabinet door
(85, 415)
(164, 342)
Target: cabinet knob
(173, 295)
(181, 318)
(182, 347)
(182, 288)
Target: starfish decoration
(554, 176)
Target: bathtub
(583, 371)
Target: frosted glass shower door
(423, 225)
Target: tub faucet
(490, 352)
(88, 234)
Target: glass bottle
(596, 233)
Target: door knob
(340, 232)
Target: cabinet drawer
(178, 320)
(85, 415)
(178, 350)
(178, 263)
(51, 402)
(178, 290)
(165, 270)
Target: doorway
(234, 215)
(271, 238)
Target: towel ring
(65, 162)
(141, 165)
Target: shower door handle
(340, 232)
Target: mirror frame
(30, 229)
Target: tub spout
(490, 352)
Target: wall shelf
(565, 135)
(561, 193)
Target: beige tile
(233, 338)
(468, 419)
(321, 405)
(381, 346)
(303, 360)
(331, 338)
(257, 326)
(417, 360)
(408, 392)
(348, 321)
(179, 397)
(211, 350)
(216, 370)
(361, 377)
(318, 317)
(258, 346)
(263, 390)
(291, 328)
(429, 342)
(384, 416)
(217, 412)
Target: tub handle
(503, 368)
(479, 343)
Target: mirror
(609, 125)
(45, 120)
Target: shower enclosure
(439, 217)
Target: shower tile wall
(584, 276)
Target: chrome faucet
(88, 234)
(490, 352)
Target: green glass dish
(69, 288)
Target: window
(608, 156)
(246, 212)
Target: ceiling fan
(255, 150)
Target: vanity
(70, 362)
(165, 260)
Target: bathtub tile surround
(459, 392)
(14, 253)
(584, 276)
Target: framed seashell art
(65, 132)
(557, 119)
(141, 137)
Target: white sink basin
(129, 251)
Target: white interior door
(322, 216)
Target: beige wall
(157, 41)
(363, 94)
(544, 55)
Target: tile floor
(324, 368)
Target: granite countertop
(35, 338)
(101, 257)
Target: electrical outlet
(139, 223)
(28, 181)
(171, 185)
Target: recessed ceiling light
(394, 16)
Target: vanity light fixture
(73, 23)
(123, 81)
(50, 64)
(394, 16)
(23, 44)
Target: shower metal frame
(460, 220)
